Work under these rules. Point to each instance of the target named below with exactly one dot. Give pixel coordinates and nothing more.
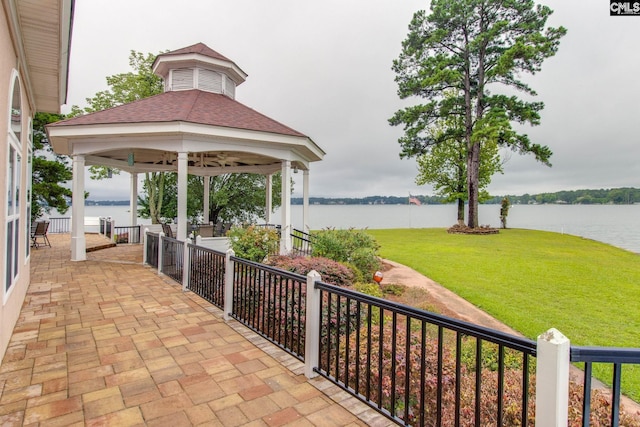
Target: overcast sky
(324, 69)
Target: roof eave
(62, 138)
(44, 93)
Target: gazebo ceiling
(209, 163)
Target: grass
(534, 280)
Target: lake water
(614, 224)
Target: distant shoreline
(613, 196)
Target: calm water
(617, 225)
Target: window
(29, 181)
(209, 81)
(182, 79)
(14, 174)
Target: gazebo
(195, 127)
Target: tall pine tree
(471, 46)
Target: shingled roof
(200, 48)
(192, 106)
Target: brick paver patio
(108, 342)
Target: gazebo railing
(172, 262)
(128, 234)
(59, 225)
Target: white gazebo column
(133, 204)
(205, 202)
(268, 198)
(182, 195)
(305, 201)
(78, 241)
(285, 232)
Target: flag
(414, 201)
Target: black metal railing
(172, 258)
(207, 273)
(152, 249)
(59, 225)
(301, 243)
(611, 356)
(107, 229)
(420, 368)
(413, 366)
(271, 302)
(129, 234)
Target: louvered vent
(209, 81)
(182, 79)
(230, 88)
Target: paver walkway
(109, 342)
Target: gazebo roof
(199, 48)
(195, 127)
(220, 134)
(191, 106)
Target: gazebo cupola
(198, 67)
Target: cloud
(324, 69)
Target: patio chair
(166, 229)
(40, 232)
(206, 231)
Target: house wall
(11, 300)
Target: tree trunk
(154, 183)
(473, 156)
(473, 171)
(461, 211)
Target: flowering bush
(330, 271)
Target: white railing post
(312, 325)
(160, 251)
(228, 285)
(113, 230)
(186, 260)
(552, 379)
(144, 245)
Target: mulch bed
(463, 229)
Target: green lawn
(534, 280)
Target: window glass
(9, 281)
(16, 109)
(13, 179)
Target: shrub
(351, 246)
(330, 271)
(393, 289)
(372, 289)
(253, 243)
